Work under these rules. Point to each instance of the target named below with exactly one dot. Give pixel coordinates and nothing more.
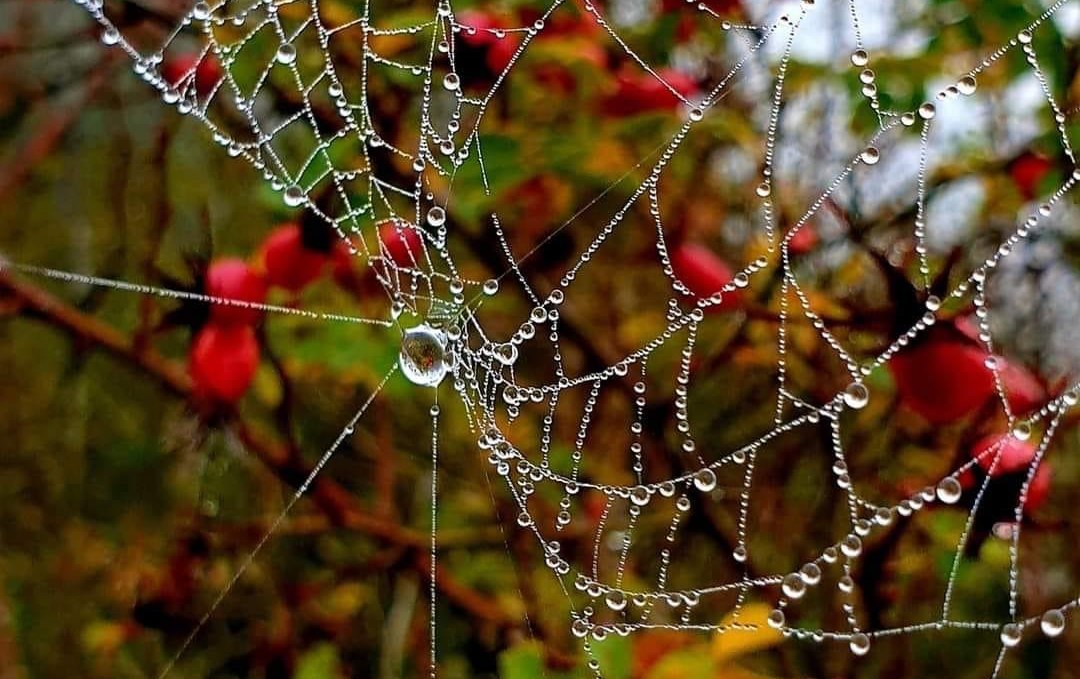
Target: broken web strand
(345, 433)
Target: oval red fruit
(639, 92)
(1039, 489)
(401, 243)
(223, 360)
(1023, 390)
(288, 263)
(942, 380)
(704, 273)
(1028, 171)
(207, 70)
(234, 279)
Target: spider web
(303, 115)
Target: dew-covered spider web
(302, 96)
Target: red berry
(223, 361)
(804, 240)
(942, 380)
(1012, 454)
(1023, 390)
(288, 263)
(207, 70)
(1039, 489)
(639, 92)
(1027, 173)
(704, 273)
(401, 243)
(233, 279)
(342, 263)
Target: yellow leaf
(752, 633)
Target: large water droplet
(451, 81)
(705, 480)
(859, 644)
(1011, 635)
(286, 53)
(794, 586)
(776, 618)
(436, 216)
(949, 490)
(1052, 623)
(423, 355)
(860, 58)
(856, 395)
(870, 156)
(294, 196)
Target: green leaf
(319, 662)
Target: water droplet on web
(110, 36)
(776, 618)
(967, 85)
(1052, 623)
(949, 490)
(927, 111)
(764, 189)
(870, 156)
(1024, 37)
(856, 395)
(851, 546)
(1021, 431)
(739, 554)
(491, 286)
(705, 480)
(640, 495)
(810, 573)
(286, 53)
(436, 216)
(860, 58)
(200, 11)
(1011, 635)
(859, 644)
(506, 353)
(423, 355)
(793, 586)
(451, 81)
(615, 600)
(696, 114)
(294, 196)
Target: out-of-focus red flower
(223, 360)
(639, 92)
(234, 279)
(701, 270)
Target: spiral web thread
(323, 158)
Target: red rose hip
(223, 360)
(233, 279)
(288, 263)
